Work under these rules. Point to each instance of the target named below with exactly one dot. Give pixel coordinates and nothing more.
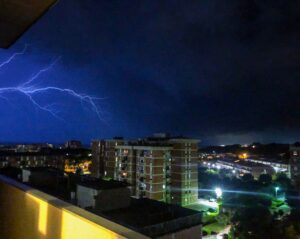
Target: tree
(248, 177)
(296, 182)
(283, 181)
(223, 218)
(265, 179)
(294, 219)
(253, 201)
(254, 223)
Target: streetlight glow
(219, 192)
(276, 191)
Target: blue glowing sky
(222, 72)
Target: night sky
(222, 71)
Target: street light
(219, 192)
(276, 190)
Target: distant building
(73, 144)
(69, 160)
(32, 159)
(31, 148)
(280, 166)
(240, 167)
(295, 160)
(48, 180)
(42, 176)
(159, 167)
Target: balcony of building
(29, 213)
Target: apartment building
(61, 158)
(73, 144)
(159, 168)
(104, 162)
(279, 165)
(295, 160)
(146, 168)
(184, 173)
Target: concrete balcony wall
(29, 213)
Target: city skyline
(149, 119)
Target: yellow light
(43, 214)
(74, 227)
(243, 156)
(38, 215)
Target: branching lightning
(12, 57)
(31, 89)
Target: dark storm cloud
(203, 68)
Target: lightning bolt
(31, 89)
(13, 56)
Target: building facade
(295, 160)
(73, 144)
(184, 173)
(103, 152)
(162, 168)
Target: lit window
(295, 153)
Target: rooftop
(46, 152)
(100, 184)
(44, 169)
(153, 218)
(242, 162)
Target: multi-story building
(160, 168)
(295, 160)
(73, 144)
(146, 168)
(104, 157)
(184, 170)
(239, 167)
(279, 165)
(65, 159)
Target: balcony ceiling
(16, 16)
